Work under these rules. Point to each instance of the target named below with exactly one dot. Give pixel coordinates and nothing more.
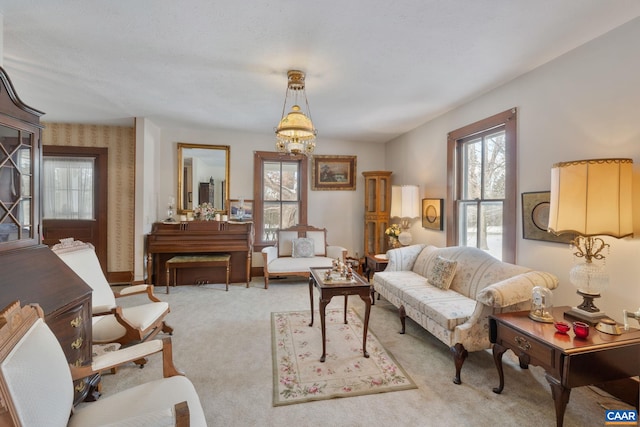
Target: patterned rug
(298, 374)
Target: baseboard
(626, 389)
(114, 277)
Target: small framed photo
(241, 210)
(432, 213)
(535, 218)
(333, 173)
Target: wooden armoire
(377, 210)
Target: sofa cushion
(297, 265)
(446, 307)
(285, 242)
(320, 245)
(303, 247)
(442, 272)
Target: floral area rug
(298, 374)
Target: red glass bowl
(581, 329)
(562, 327)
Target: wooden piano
(200, 237)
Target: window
(280, 194)
(68, 189)
(482, 196)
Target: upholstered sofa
(452, 291)
(298, 249)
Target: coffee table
(329, 289)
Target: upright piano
(200, 237)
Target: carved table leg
(323, 306)
(311, 298)
(403, 316)
(560, 396)
(367, 302)
(498, 351)
(345, 308)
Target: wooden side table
(374, 264)
(192, 261)
(329, 289)
(568, 361)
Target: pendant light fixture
(295, 133)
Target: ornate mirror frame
(188, 184)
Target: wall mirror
(203, 176)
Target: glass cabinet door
(17, 178)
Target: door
(74, 195)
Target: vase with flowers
(392, 233)
(204, 212)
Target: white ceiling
(375, 69)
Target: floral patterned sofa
(452, 291)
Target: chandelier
(295, 133)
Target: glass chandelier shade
(591, 198)
(295, 133)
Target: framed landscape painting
(333, 173)
(235, 210)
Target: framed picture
(535, 218)
(240, 211)
(333, 173)
(432, 213)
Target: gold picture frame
(432, 213)
(333, 173)
(535, 218)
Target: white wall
(341, 212)
(584, 104)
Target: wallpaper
(121, 181)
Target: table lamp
(405, 205)
(591, 198)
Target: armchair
(36, 383)
(112, 323)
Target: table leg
(227, 284)
(498, 351)
(323, 306)
(560, 396)
(367, 300)
(168, 275)
(345, 308)
(311, 298)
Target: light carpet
(222, 340)
(298, 374)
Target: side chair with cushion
(112, 323)
(36, 383)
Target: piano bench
(192, 261)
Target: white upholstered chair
(36, 383)
(112, 323)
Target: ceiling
(375, 69)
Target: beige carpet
(298, 374)
(222, 340)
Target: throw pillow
(441, 275)
(303, 247)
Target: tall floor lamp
(591, 198)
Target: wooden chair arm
(119, 357)
(137, 290)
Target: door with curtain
(74, 196)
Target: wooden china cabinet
(377, 210)
(29, 271)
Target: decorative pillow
(303, 247)
(441, 275)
